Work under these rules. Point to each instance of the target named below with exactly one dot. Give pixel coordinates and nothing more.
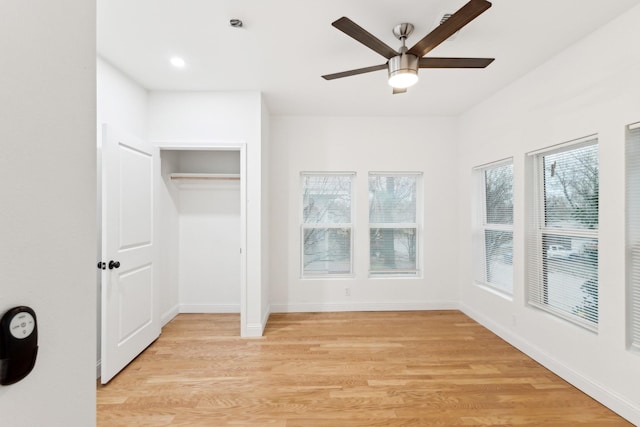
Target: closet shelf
(205, 176)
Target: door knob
(114, 264)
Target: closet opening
(201, 229)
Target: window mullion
(498, 227)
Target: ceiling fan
(403, 64)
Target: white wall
(185, 118)
(121, 102)
(363, 144)
(48, 213)
(593, 87)
(209, 259)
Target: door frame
(214, 146)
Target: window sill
(494, 290)
(328, 277)
(394, 276)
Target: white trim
(633, 126)
(326, 225)
(395, 225)
(586, 233)
(209, 308)
(563, 315)
(316, 173)
(364, 306)
(494, 289)
(199, 145)
(253, 330)
(327, 276)
(575, 143)
(498, 227)
(604, 395)
(501, 162)
(168, 316)
(395, 173)
(265, 319)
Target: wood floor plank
(421, 368)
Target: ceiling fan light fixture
(403, 71)
(177, 62)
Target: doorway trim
(240, 146)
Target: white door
(130, 320)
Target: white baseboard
(599, 392)
(169, 314)
(265, 318)
(256, 330)
(364, 306)
(209, 308)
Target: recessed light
(177, 62)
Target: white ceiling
(286, 45)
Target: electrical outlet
(347, 292)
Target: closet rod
(206, 176)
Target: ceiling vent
(440, 21)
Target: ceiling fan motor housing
(403, 70)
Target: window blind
(563, 245)
(326, 228)
(393, 223)
(493, 254)
(633, 232)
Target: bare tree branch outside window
(326, 228)
(568, 232)
(393, 223)
(498, 222)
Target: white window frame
(632, 160)
(341, 226)
(538, 229)
(417, 273)
(482, 226)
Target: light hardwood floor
(423, 368)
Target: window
(563, 251)
(494, 235)
(633, 232)
(326, 231)
(394, 231)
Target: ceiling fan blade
(397, 90)
(430, 62)
(355, 31)
(354, 72)
(462, 17)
